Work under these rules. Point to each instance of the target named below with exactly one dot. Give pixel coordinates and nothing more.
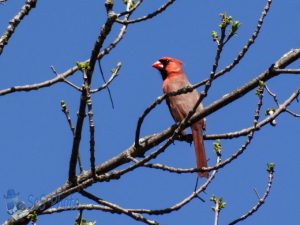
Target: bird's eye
(164, 62)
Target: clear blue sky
(35, 138)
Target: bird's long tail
(199, 149)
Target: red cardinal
(180, 105)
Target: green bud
(261, 84)
(219, 202)
(109, 2)
(113, 70)
(213, 198)
(225, 20)
(83, 65)
(261, 87)
(234, 27)
(222, 205)
(63, 104)
(217, 147)
(214, 35)
(32, 216)
(131, 4)
(270, 167)
(269, 111)
(91, 223)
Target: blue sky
(36, 141)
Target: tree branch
(85, 180)
(259, 203)
(25, 10)
(150, 15)
(105, 30)
(118, 209)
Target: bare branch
(65, 80)
(91, 122)
(245, 49)
(119, 209)
(105, 30)
(150, 15)
(78, 207)
(175, 207)
(280, 110)
(68, 117)
(112, 77)
(25, 10)
(290, 71)
(250, 41)
(59, 78)
(104, 80)
(277, 103)
(259, 203)
(79, 218)
(182, 203)
(85, 180)
(131, 10)
(250, 135)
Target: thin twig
(277, 103)
(69, 72)
(259, 203)
(65, 80)
(14, 22)
(170, 209)
(250, 41)
(289, 71)
(256, 193)
(79, 218)
(293, 113)
(245, 49)
(182, 203)
(108, 89)
(217, 212)
(59, 78)
(78, 207)
(250, 135)
(112, 77)
(132, 9)
(150, 15)
(273, 95)
(118, 209)
(68, 117)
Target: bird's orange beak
(158, 65)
